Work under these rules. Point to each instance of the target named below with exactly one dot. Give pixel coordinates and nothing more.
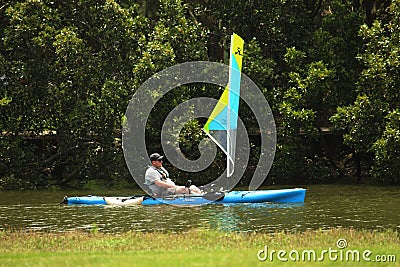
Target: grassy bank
(194, 248)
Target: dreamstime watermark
(206, 73)
(339, 253)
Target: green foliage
(69, 68)
(319, 74)
(260, 68)
(72, 76)
(5, 101)
(353, 120)
(300, 107)
(368, 124)
(387, 151)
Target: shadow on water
(366, 207)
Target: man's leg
(193, 190)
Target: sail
(221, 126)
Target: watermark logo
(341, 243)
(152, 90)
(339, 253)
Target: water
(326, 206)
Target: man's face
(157, 163)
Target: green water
(326, 206)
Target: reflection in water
(235, 217)
(226, 219)
(325, 207)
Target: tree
(369, 124)
(319, 75)
(68, 71)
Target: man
(157, 179)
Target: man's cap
(155, 156)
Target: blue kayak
(295, 195)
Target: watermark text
(338, 253)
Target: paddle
(212, 196)
(123, 199)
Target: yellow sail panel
(221, 105)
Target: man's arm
(164, 184)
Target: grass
(194, 248)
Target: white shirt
(152, 175)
